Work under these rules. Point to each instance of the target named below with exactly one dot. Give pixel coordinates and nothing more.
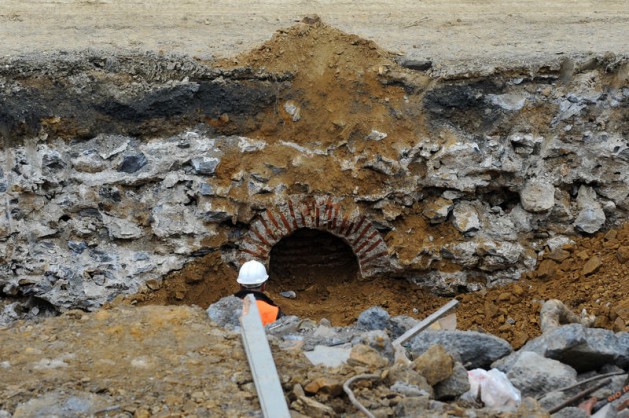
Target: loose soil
(340, 87)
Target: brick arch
(322, 213)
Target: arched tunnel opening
(310, 258)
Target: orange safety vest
(268, 313)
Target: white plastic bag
(496, 390)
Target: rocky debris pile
(129, 361)
(125, 361)
(438, 380)
(589, 273)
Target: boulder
(398, 325)
(132, 163)
(226, 312)
(379, 340)
(205, 165)
(455, 385)
(328, 356)
(474, 349)
(121, 228)
(404, 374)
(363, 355)
(535, 375)
(437, 210)
(465, 218)
(373, 318)
(577, 346)
(591, 216)
(435, 364)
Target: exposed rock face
(95, 215)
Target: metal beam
(265, 377)
(426, 322)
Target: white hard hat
(252, 273)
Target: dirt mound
(343, 86)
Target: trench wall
(106, 185)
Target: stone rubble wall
(86, 220)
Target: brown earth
(340, 85)
(150, 361)
(510, 312)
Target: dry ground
(461, 35)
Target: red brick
(372, 246)
(260, 236)
(267, 230)
(285, 222)
(273, 221)
(292, 214)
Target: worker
(252, 278)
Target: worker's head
(252, 275)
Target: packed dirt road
(468, 34)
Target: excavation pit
(158, 176)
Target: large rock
(455, 385)
(435, 364)
(328, 356)
(473, 349)
(373, 319)
(577, 346)
(205, 165)
(437, 210)
(399, 324)
(535, 375)
(132, 163)
(537, 196)
(378, 340)
(406, 375)
(122, 228)
(591, 216)
(465, 218)
(363, 355)
(226, 312)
